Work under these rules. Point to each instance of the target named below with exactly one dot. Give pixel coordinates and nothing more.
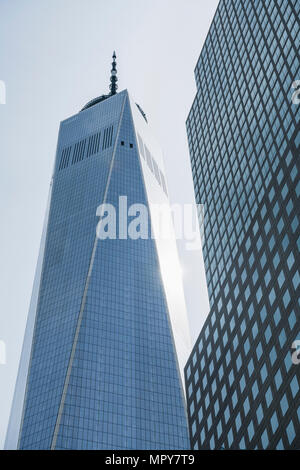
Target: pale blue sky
(55, 56)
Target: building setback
(243, 130)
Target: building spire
(113, 78)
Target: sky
(56, 56)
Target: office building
(243, 375)
(107, 334)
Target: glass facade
(243, 132)
(103, 370)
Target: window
(239, 362)
(250, 430)
(269, 397)
(290, 432)
(242, 383)
(207, 401)
(259, 294)
(274, 422)
(272, 296)
(204, 381)
(254, 390)
(219, 429)
(278, 379)
(217, 407)
(194, 359)
(247, 346)
(268, 334)
(238, 422)
(200, 415)
(282, 338)
(280, 445)
(254, 330)
(263, 373)
(287, 361)
(228, 357)
(224, 392)
(246, 406)
(225, 338)
(209, 422)
(277, 316)
(294, 385)
(214, 387)
(296, 280)
(265, 439)
(273, 355)
(259, 351)
(227, 414)
(242, 444)
(259, 414)
(263, 314)
(250, 367)
(292, 320)
(221, 372)
(230, 437)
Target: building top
(113, 89)
(113, 86)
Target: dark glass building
(242, 383)
(104, 345)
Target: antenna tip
(113, 78)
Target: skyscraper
(107, 333)
(243, 375)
